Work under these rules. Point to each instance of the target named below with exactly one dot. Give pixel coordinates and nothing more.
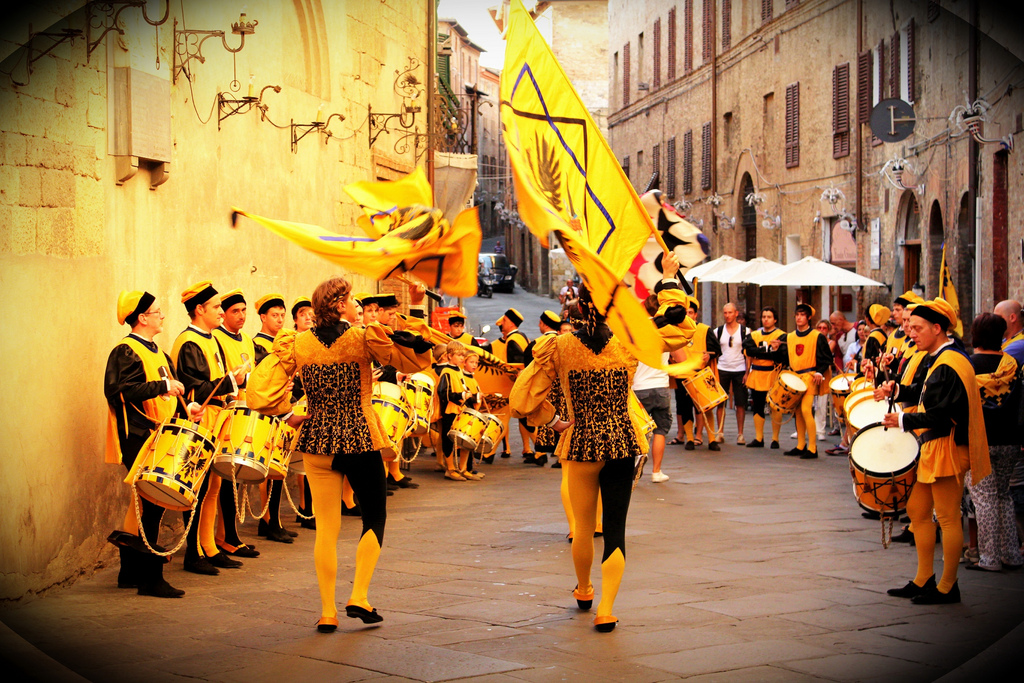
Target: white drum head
(840, 383)
(868, 411)
(422, 378)
(881, 451)
(388, 389)
(793, 381)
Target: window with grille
(625, 166)
(657, 54)
(793, 125)
(670, 167)
(864, 89)
(841, 111)
(707, 36)
(625, 75)
(767, 10)
(688, 36)
(705, 162)
(656, 160)
(688, 162)
(726, 24)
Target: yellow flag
(421, 243)
(569, 182)
(948, 292)
(381, 199)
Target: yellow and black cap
(938, 311)
(131, 304)
(805, 308)
(300, 303)
(879, 314)
(268, 301)
(907, 299)
(513, 316)
(197, 294)
(232, 298)
(551, 319)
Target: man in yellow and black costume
(808, 355)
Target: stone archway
(933, 258)
(908, 242)
(746, 243)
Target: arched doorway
(908, 240)
(747, 295)
(936, 237)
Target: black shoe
(872, 515)
(128, 574)
(242, 551)
(904, 520)
(531, 460)
(161, 589)
(224, 562)
(263, 528)
(279, 536)
(528, 455)
(905, 536)
(809, 455)
(489, 460)
(404, 483)
(368, 617)
(392, 486)
(757, 443)
(291, 533)
(912, 589)
(556, 465)
(201, 566)
(713, 446)
(932, 596)
(775, 445)
(390, 492)
(506, 455)
(794, 451)
(353, 511)
(541, 460)
(689, 446)
(308, 523)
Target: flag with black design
(948, 292)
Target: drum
(295, 462)
(868, 411)
(281, 453)
(789, 389)
(494, 430)
(245, 444)
(883, 463)
(861, 384)
(173, 467)
(704, 390)
(388, 389)
(419, 392)
(468, 429)
(395, 415)
(840, 388)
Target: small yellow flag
(948, 292)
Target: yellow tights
(806, 430)
(943, 496)
(568, 508)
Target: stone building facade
(771, 100)
(79, 224)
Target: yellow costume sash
(157, 410)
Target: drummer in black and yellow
(239, 351)
(545, 438)
(874, 347)
(451, 397)
(142, 394)
(271, 309)
(809, 356)
(897, 341)
(705, 347)
(765, 363)
(457, 325)
(511, 348)
(951, 426)
(201, 368)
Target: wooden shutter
(688, 162)
(793, 125)
(670, 168)
(790, 4)
(625, 75)
(657, 53)
(894, 65)
(864, 86)
(910, 60)
(656, 161)
(625, 166)
(707, 37)
(766, 11)
(688, 36)
(705, 163)
(671, 43)
(726, 24)
(841, 111)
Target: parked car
(504, 273)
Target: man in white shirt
(843, 332)
(732, 367)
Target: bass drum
(883, 464)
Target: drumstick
(217, 386)
(433, 295)
(165, 376)
(892, 396)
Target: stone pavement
(745, 566)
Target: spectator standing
(1013, 340)
(823, 403)
(844, 334)
(568, 296)
(732, 367)
(999, 381)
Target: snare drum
(246, 442)
(704, 390)
(295, 459)
(861, 384)
(395, 416)
(868, 411)
(175, 459)
(468, 429)
(493, 433)
(787, 393)
(419, 392)
(278, 465)
(883, 464)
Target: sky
(473, 16)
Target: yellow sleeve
(267, 389)
(382, 349)
(529, 394)
(674, 336)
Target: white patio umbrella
(710, 267)
(812, 272)
(755, 267)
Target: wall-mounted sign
(876, 243)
